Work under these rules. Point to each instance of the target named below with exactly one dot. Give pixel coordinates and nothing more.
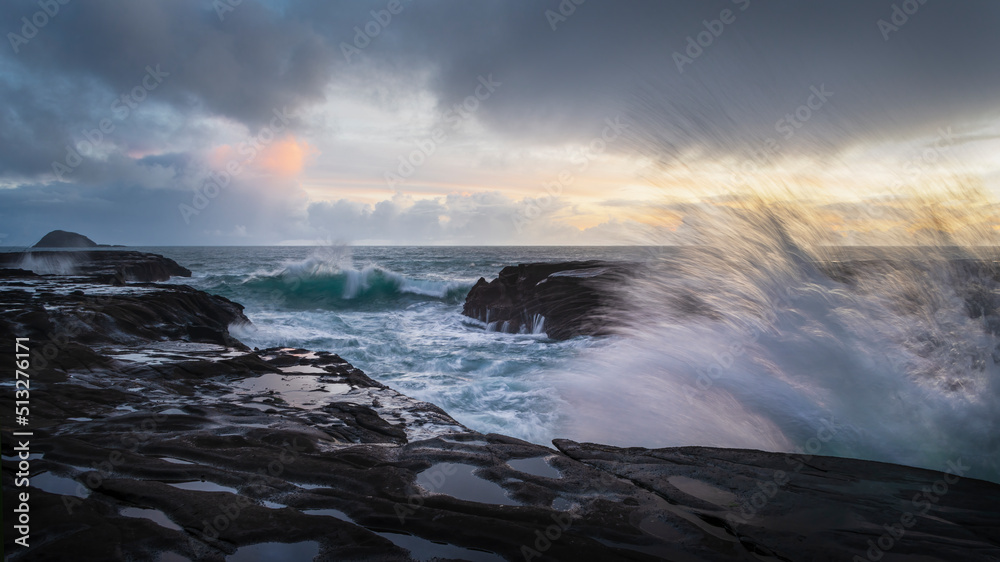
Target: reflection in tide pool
(460, 481)
(275, 551)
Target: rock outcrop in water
(562, 299)
(102, 266)
(567, 299)
(155, 431)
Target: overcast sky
(469, 122)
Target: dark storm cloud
(601, 59)
(241, 66)
(938, 67)
(75, 70)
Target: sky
(243, 122)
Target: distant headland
(64, 239)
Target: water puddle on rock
(535, 466)
(472, 442)
(17, 457)
(420, 549)
(262, 406)
(175, 461)
(172, 412)
(330, 512)
(303, 353)
(60, 485)
(459, 481)
(300, 391)
(273, 551)
(423, 549)
(561, 504)
(159, 353)
(154, 515)
(305, 369)
(200, 486)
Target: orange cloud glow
(283, 157)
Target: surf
(316, 283)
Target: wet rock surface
(562, 299)
(102, 266)
(158, 435)
(804, 507)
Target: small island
(66, 239)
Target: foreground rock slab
(802, 507)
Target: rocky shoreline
(157, 435)
(101, 266)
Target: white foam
(750, 345)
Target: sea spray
(44, 263)
(755, 336)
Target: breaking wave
(316, 283)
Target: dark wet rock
(146, 402)
(137, 314)
(104, 266)
(14, 275)
(572, 297)
(802, 507)
(64, 239)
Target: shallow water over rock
(154, 515)
(460, 481)
(202, 486)
(423, 549)
(275, 551)
(298, 391)
(535, 466)
(61, 485)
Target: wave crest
(315, 283)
